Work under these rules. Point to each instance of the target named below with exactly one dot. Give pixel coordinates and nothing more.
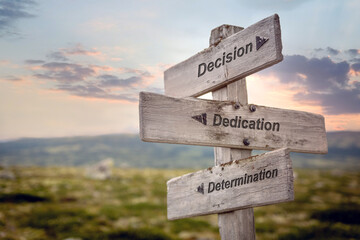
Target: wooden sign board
(256, 181)
(225, 124)
(246, 52)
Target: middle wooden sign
(194, 121)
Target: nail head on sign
(252, 108)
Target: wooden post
(238, 224)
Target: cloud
(353, 52)
(341, 101)
(114, 81)
(154, 90)
(57, 56)
(356, 67)
(93, 81)
(13, 79)
(78, 49)
(94, 92)
(134, 71)
(65, 72)
(317, 74)
(11, 11)
(322, 81)
(105, 86)
(332, 51)
(83, 91)
(350, 55)
(356, 60)
(35, 62)
(328, 50)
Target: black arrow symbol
(260, 41)
(200, 188)
(200, 118)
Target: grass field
(61, 203)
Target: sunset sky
(70, 68)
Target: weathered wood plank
(239, 55)
(217, 123)
(256, 181)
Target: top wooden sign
(244, 53)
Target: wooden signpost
(237, 182)
(251, 182)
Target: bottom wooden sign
(256, 181)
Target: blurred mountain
(130, 151)
(343, 152)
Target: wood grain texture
(169, 120)
(239, 224)
(234, 92)
(220, 33)
(183, 80)
(185, 199)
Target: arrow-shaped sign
(260, 180)
(222, 124)
(233, 58)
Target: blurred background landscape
(128, 151)
(51, 189)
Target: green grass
(60, 202)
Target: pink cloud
(12, 79)
(76, 50)
(98, 68)
(349, 122)
(62, 72)
(79, 49)
(354, 73)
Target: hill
(130, 151)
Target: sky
(74, 68)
